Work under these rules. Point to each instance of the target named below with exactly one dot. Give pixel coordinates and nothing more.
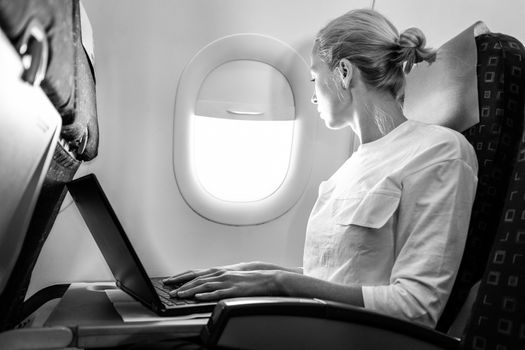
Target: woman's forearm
(260, 265)
(231, 283)
(293, 284)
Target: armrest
(36, 338)
(295, 323)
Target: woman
(388, 229)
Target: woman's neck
(376, 114)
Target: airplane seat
(68, 82)
(497, 320)
(501, 85)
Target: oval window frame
(286, 60)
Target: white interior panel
(442, 20)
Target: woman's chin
(330, 124)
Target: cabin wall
(141, 48)
(442, 20)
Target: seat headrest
(445, 91)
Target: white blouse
(394, 219)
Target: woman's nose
(314, 99)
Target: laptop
(120, 256)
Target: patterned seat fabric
(498, 315)
(501, 91)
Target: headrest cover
(446, 91)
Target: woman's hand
(184, 277)
(222, 284)
(187, 276)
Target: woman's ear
(346, 72)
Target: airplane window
(244, 130)
(238, 160)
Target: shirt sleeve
(433, 219)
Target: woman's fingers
(226, 284)
(189, 275)
(185, 291)
(206, 287)
(180, 278)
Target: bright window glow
(241, 160)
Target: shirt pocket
(371, 209)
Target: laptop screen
(111, 239)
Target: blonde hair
(372, 43)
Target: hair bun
(412, 49)
(413, 38)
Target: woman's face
(327, 96)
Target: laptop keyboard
(163, 290)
